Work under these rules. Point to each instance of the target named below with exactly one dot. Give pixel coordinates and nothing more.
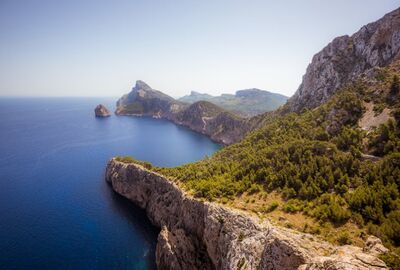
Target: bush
(395, 86)
(391, 227)
(344, 239)
(293, 206)
(271, 207)
(391, 259)
(331, 207)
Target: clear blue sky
(100, 48)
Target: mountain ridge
(204, 117)
(246, 102)
(346, 58)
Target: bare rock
(177, 250)
(374, 246)
(101, 111)
(346, 58)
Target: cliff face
(202, 235)
(347, 58)
(145, 101)
(204, 117)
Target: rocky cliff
(220, 125)
(202, 235)
(347, 58)
(145, 101)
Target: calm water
(56, 211)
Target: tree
(395, 86)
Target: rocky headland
(204, 235)
(204, 117)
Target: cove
(56, 210)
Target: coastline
(206, 235)
(222, 139)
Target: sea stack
(101, 111)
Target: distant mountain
(202, 116)
(248, 102)
(146, 101)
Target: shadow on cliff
(138, 219)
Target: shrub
(293, 206)
(344, 239)
(271, 207)
(395, 86)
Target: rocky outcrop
(145, 101)
(347, 58)
(101, 111)
(204, 117)
(203, 235)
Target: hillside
(317, 171)
(247, 103)
(327, 162)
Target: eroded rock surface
(346, 58)
(203, 235)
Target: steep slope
(247, 102)
(145, 101)
(204, 117)
(346, 58)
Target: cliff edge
(203, 235)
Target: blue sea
(56, 210)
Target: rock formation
(202, 235)
(101, 111)
(346, 58)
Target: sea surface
(56, 210)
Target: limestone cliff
(203, 235)
(204, 117)
(347, 58)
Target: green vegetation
(134, 107)
(145, 164)
(344, 239)
(271, 207)
(313, 159)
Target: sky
(100, 48)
